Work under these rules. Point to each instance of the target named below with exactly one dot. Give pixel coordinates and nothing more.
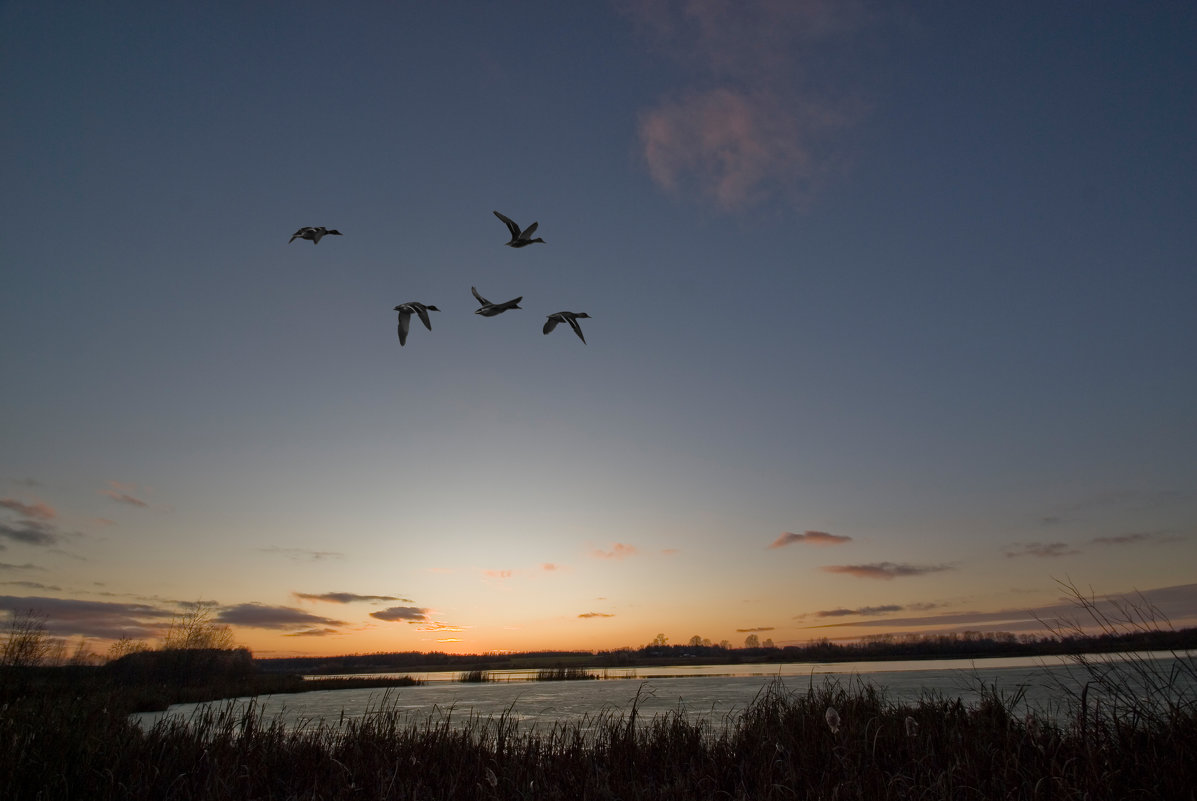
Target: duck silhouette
(488, 309)
(314, 234)
(406, 310)
(566, 317)
(519, 238)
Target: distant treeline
(939, 646)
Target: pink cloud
(35, 510)
(734, 146)
(120, 492)
(728, 146)
(618, 551)
(810, 538)
(549, 566)
(499, 574)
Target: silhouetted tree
(82, 655)
(752, 641)
(195, 629)
(125, 646)
(28, 643)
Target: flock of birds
(519, 238)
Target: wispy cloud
(809, 538)
(346, 597)
(595, 614)
(121, 493)
(325, 632)
(752, 124)
(303, 553)
(886, 570)
(863, 611)
(26, 566)
(755, 628)
(618, 551)
(1042, 550)
(549, 567)
(1101, 504)
(35, 510)
(437, 626)
(262, 616)
(497, 574)
(1175, 603)
(31, 585)
(30, 532)
(410, 614)
(1144, 537)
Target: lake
(716, 693)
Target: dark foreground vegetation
(827, 742)
(1126, 730)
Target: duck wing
(404, 326)
(510, 223)
(298, 234)
(481, 299)
(573, 323)
(551, 323)
(531, 229)
(423, 312)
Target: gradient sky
(892, 318)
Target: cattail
(833, 719)
(912, 727)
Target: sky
(891, 319)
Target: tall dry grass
(780, 747)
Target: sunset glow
(891, 320)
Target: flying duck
(314, 234)
(489, 309)
(566, 317)
(519, 238)
(406, 310)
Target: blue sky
(917, 278)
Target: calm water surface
(716, 693)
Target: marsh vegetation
(1129, 732)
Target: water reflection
(714, 693)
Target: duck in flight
(489, 309)
(519, 238)
(566, 317)
(314, 234)
(406, 310)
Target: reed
(475, 676)
(780, 747)
(564, 674)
